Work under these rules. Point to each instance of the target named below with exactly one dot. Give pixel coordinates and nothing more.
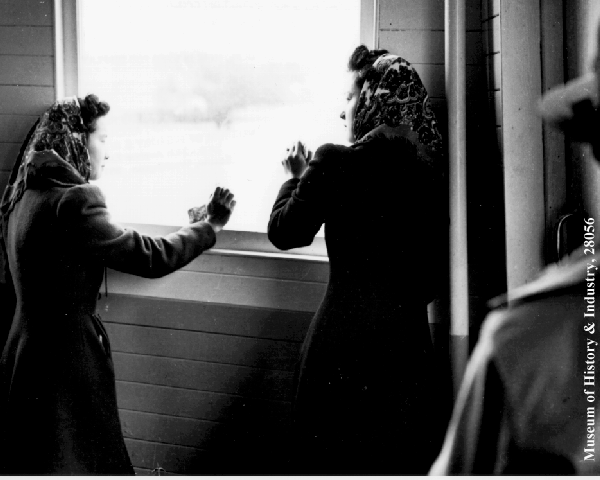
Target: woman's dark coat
(58, 404)
(367, 400)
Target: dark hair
(361, 61)
(91, 110)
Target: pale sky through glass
(210, 92)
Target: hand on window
(297, 159)
(219, 208)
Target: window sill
(247, 244)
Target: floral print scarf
(58, 137)
(393, 95)
(60, 133)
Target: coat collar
(569, 272)
(46, 170)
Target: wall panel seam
(209, 362)
(411, 30)
(26, 55)
(187, 389)
(23, 85)
(207, 332)
(216, 304)
(175, 416)
(173, 444)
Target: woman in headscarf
(366, 399)
(58, 409)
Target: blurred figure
(367, 401)
(58, 408)
(529, 400)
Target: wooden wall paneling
(432, 76)
(226, 289)
(207, 347)
(411, 15)
(425, 46)
(205, 317)
(8, 155)
(26, 70)
(14, 129)
(473, 15)
(3, 180)
(188, 432)
(172, 458)
(215, 261)
(219, 438)
(19, 40)
(210, 377)
(522, 138)
(416, 46)
(26, 12)
(217, 407)
(182, 460)
(26, 100)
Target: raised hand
(219, 208)
(296, 160)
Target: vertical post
(555, 161)
(522, 141)
(369, 23)
(455, 45)
(66, 53)
(589, 24)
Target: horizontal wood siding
(205, 358)
(205, 376)
(226, 289)
(207, 347)
(190, 403)
(25, 100)
(26, 12)
(200, 380)
(26, 40)
(26, 72)
(205, 317)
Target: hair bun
(91, 109)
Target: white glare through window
(212, 92)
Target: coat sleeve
(478, 437)
(299, 210)
(86, 222)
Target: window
(212, 92)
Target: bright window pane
(212, 92)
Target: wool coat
(366, 391)
(58, 404)
(528, 402)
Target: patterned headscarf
(58, 137)
(60, 134)
(394, 95)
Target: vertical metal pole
(66, 54)
(455, 33)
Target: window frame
(66, 28)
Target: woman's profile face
(97, 148)
(352, 94)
